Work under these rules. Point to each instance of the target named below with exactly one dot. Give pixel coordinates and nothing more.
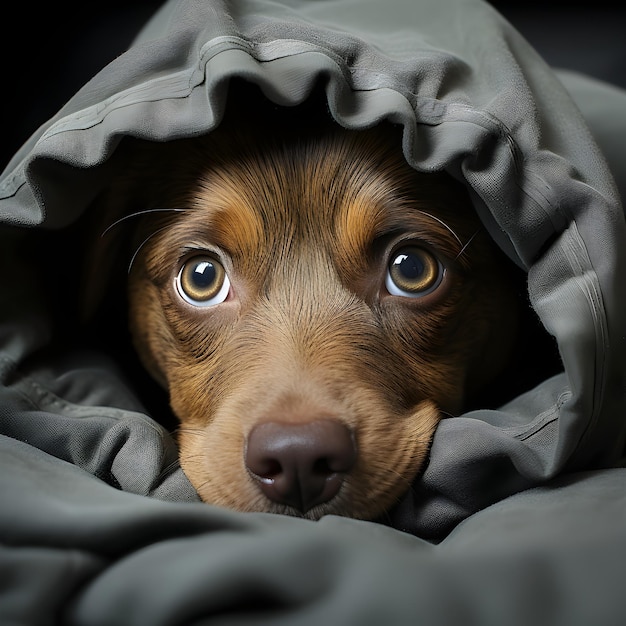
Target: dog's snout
(301, 465)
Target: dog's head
(313, 306)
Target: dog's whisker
(469, 241)
(171, 467)
(139, 214)
(192, 432)
(202, 485)
(440, 221)
(188, 429)
(384, 517)
(142, 244)
(451, 231)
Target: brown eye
(202, 281)
(413, 272)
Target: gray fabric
(550, 556)
(603, 107)
(525, 502)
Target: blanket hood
(473, 99)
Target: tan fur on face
(304, 227)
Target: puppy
(313, 307)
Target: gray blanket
(520, 515)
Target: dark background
(49, 50)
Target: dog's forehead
(329, 201)
(340, 190)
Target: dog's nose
(301, 465)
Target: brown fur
(304, 226)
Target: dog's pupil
(410, 266)
(204, 274)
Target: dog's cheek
(209, 452)
(393, 451)
(201, 365)
(211, 455)
(424, 359)
(149, 330)
(194, 392)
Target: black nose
(301, 465)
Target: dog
(312, 305)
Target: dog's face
(313, 306)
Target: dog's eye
(413, 272)
(202, 281)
